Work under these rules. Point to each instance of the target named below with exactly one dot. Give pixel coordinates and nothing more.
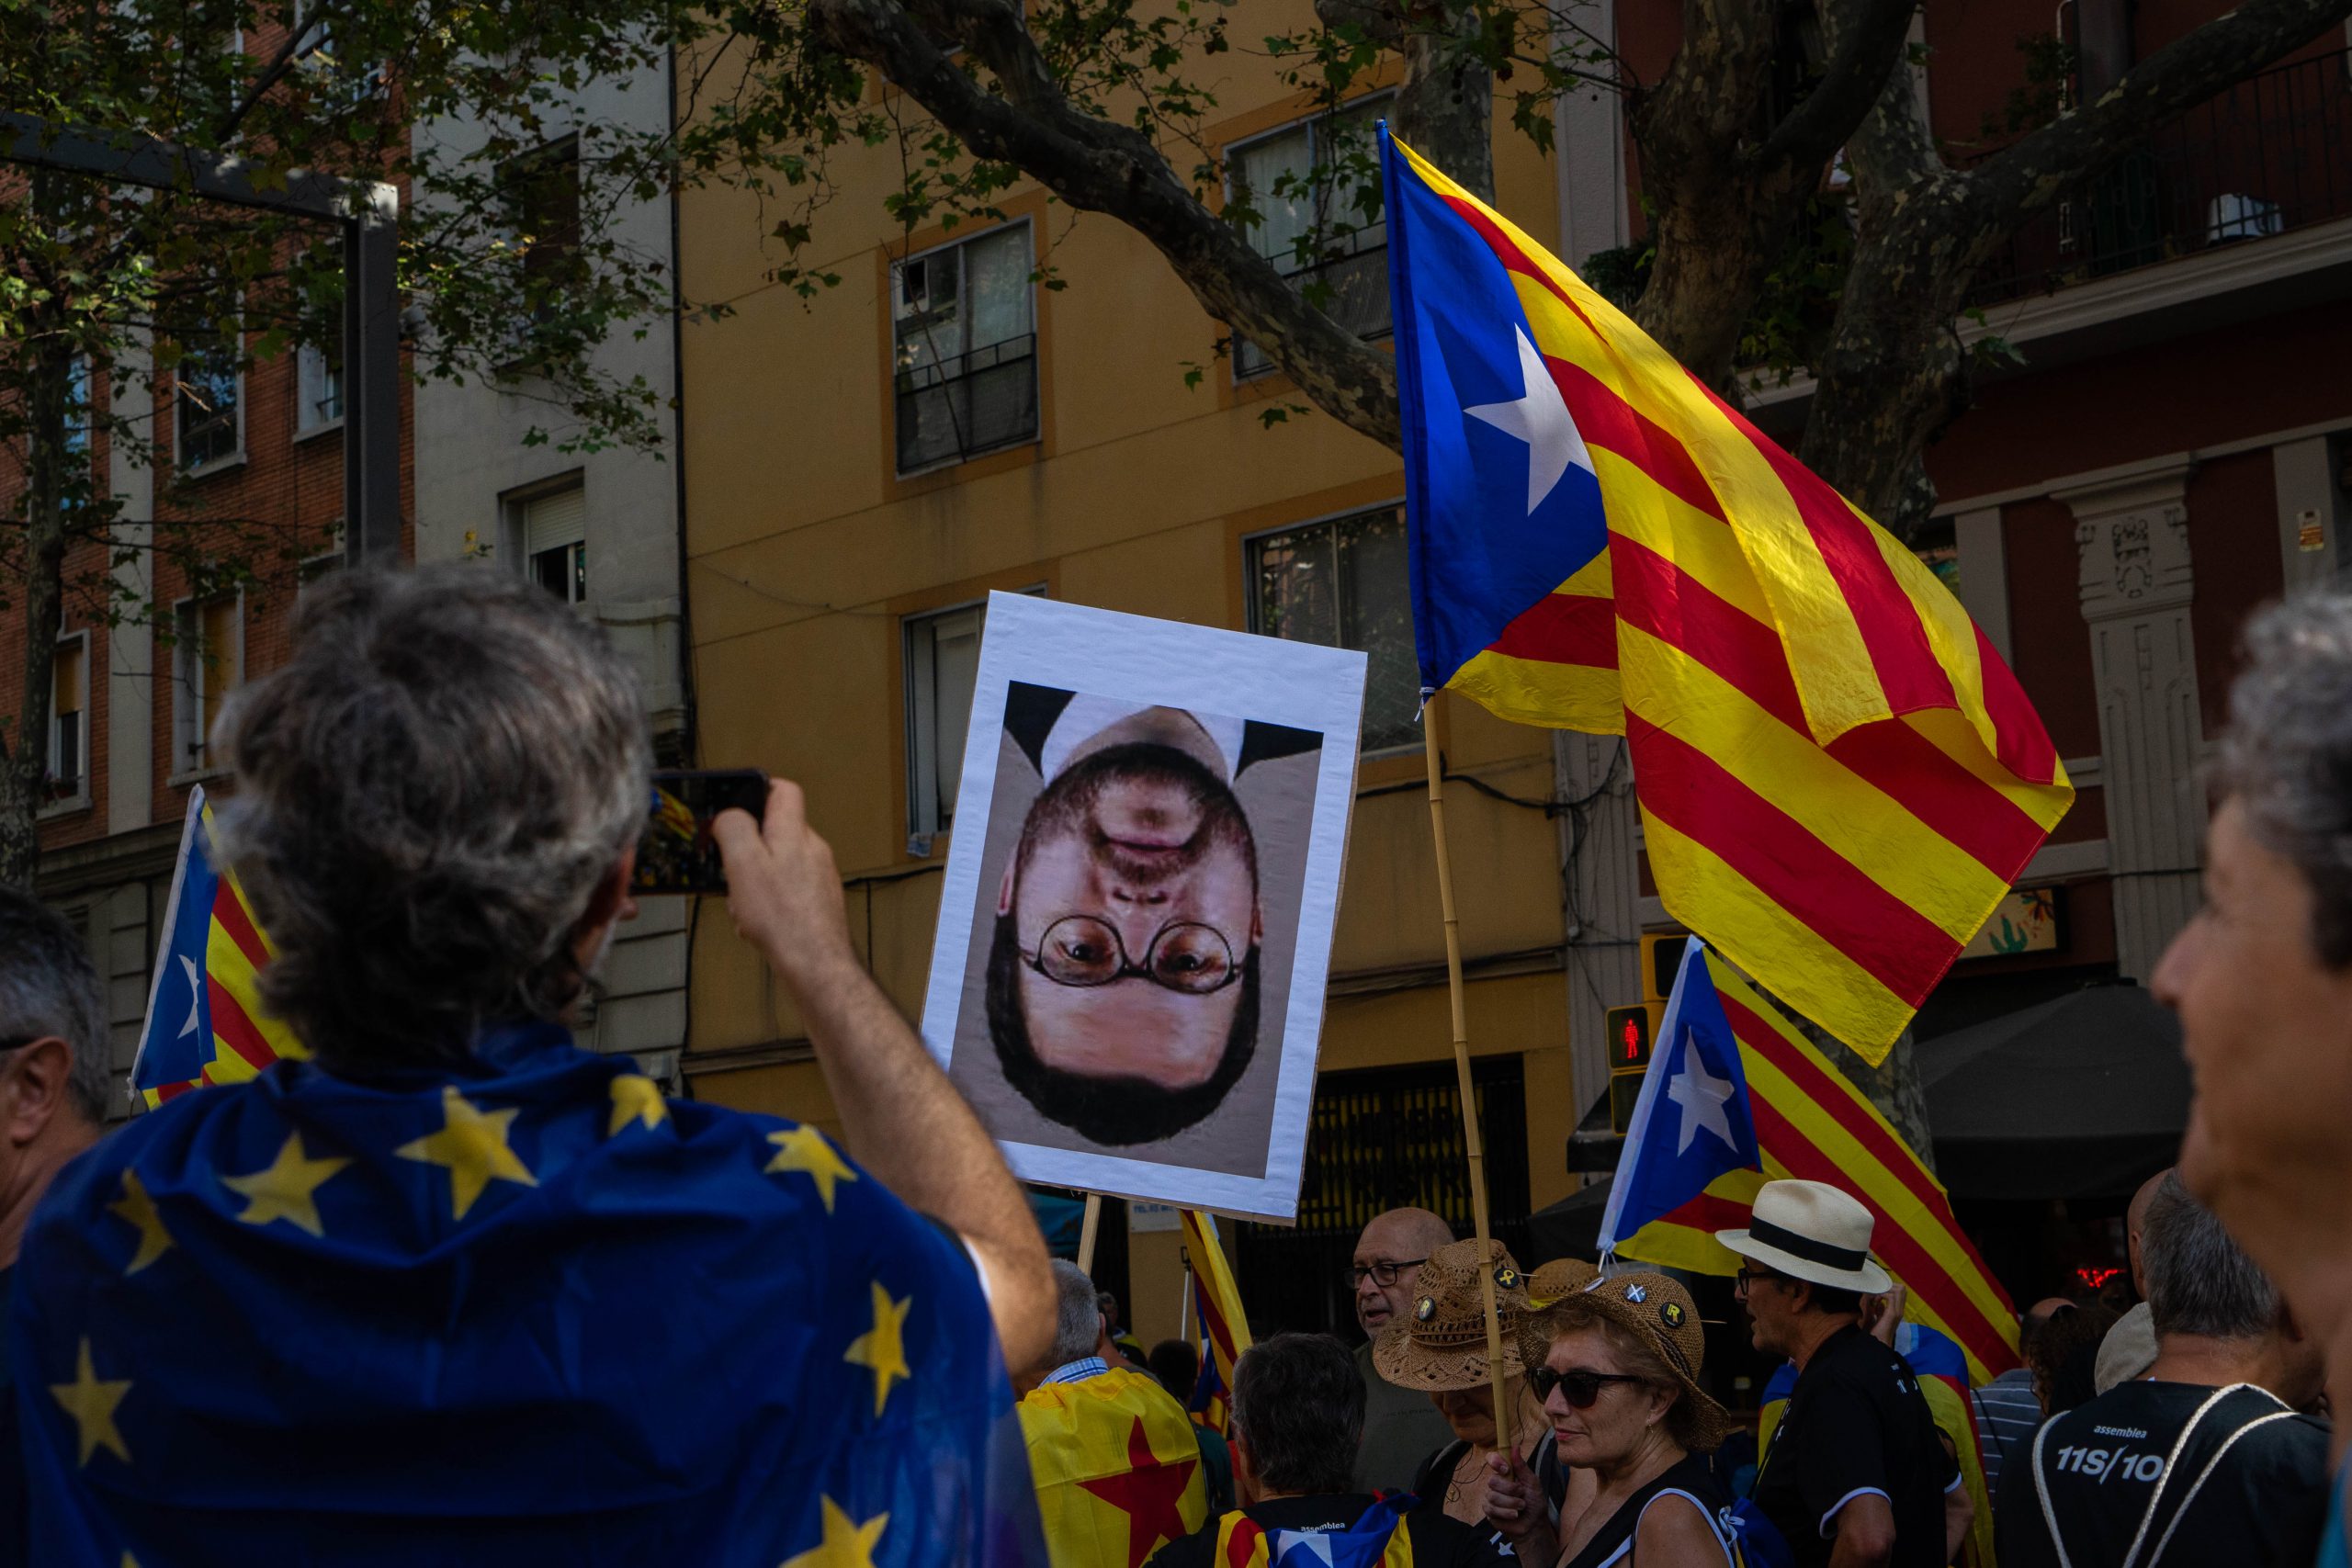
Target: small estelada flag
(205, 1023)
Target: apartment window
(68, 715)
(964, 345)
(315, 569)
(942, 657)
(318, 375)
(543, 195)
(1343, 583)
(1311, 192)
(208, 659)
(340, 83)
(209, 403)
(555, 543)
(78, 411)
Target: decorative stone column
(2136, 583)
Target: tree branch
(2022, 179)
(1098, 166)
(1862, 55)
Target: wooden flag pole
(1506, 1426)
(1086, 1229)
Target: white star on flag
(1540, 417)
(1293, 1548)
(1701, 1095)
(195, 997)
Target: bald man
(2130, 1347)
(1401, 1427)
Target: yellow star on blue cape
(846, 1543)
(138, 1210)
(636, 1097)
(472, 1146)
(286, 1188)
(804, 1149)
(90, 1400)
(883, 1347)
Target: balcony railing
(958, 408)
(1351, 288)
(2272, 153)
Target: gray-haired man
(2205, 1460)
(53, 1097)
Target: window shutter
(553, 521)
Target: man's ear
(611, 901)
(1004, 888)
(1245, 1467)
(33, 1089)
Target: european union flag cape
(523, 1311)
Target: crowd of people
(452, 1290)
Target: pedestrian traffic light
(1629, 1033)
(1661, 961)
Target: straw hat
(1439, 1342)
(1658, 1313)
(1561, 1277)
(1811, 1231)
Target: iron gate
(1384, 1138)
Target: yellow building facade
(862, 467)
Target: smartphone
(675, 854)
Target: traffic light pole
(369, 214)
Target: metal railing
(2272, 153)
(973, 402)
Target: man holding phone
(455, 1290)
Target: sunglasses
(1578, 1387)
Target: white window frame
(1286, 264)
(1037, 386)
(1249, 543)
(80, 799)
(188, 688)
(925, 823)
(230, 459)
(311, 372)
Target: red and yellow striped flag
(1812, 1122)
(1224, 1329)
(1838, 777)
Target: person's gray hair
(1077, 1316)
(2287, 755)
(48, 987)
(427, 798)
(2199, 1280)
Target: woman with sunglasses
(1617, 1369)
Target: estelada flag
(1733, 1098)
(1224, 1329)
(1838, 777)
(205, 1022)
(1117, 1468)
(1942, 1372)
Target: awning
(2083, 1097)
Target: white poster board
(1136, 928)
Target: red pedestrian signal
(1632, 1031)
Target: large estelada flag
(1942, 1370)
(1117, 1468)
(1225, 1330)
(1838, 777)
(1733, 1098)
(205, 1022)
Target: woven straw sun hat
(1440, 1341)
(1561, 1277)
(1811, 1231)
(1660, 1314)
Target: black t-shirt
(1689, 1476)
(1857, 1423)
(1438, 1541)
(1435, 1479)
(14, 1548)
(2105, 1463)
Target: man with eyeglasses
(54, 1087)
(1401, 1426)
(1856, 1475)
(1123, 982)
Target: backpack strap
(2211, 1465)
(2172, 1461)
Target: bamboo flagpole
(1505, 1426)
(1086, 1229)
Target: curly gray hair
(427, 796)
(2288, 755)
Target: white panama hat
(1811, 1231)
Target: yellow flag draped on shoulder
(1117, 1468)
